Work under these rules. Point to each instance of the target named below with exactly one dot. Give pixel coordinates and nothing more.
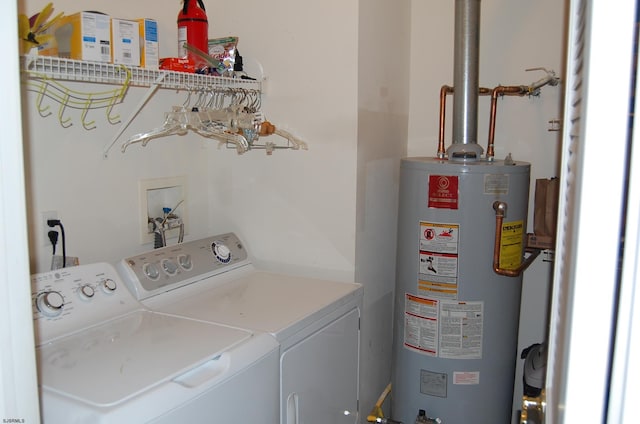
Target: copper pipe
(501, 211)
(500, 90)
(444, 90)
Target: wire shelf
(97, 72)
(42, 74)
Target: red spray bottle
(193, 28)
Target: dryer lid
(110, 363)
(278, 304)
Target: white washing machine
(315, 321)
(104, 358)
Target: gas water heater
(462, 223)
(456, 319)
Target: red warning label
(443, 191)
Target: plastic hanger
(180, 120)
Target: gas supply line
(376, 412)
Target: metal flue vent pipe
(465, 77)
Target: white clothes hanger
(180, 121)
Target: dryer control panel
(171, 267)
(70, 299)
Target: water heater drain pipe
(501, 211)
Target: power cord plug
(53, 238)
(58, 223)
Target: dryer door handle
(292, 408)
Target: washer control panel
(168, 268)
(70, 299)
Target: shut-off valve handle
(550, 79)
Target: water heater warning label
(461, 330)
(443, 192)
(421, 325)
(466, 378)
(443, 329)
(511, 244)
(438, 273)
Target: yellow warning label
(511, 245)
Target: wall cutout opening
(163, 208)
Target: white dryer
(315, 321)
(104, 358)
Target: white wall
(295, 208)
(383, 112)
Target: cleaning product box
(149, 47)
(84, 36)
(49, 47)
(125, 41)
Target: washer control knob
(169, 266)
(87, 292)
(221, 252)
(185, 261)
(151, 271)
(50, 303)
(109, 286)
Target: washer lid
(113, 362)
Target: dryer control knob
(151, 271)
(169, 266)
(50, 303)
(185, 262)
(221, 252)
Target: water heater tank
(455, 319)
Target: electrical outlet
(57, 262)
(47, 215)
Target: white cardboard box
(125, 40)
(84, 36)
(149, 47)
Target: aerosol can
(193, 27)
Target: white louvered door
(591, 210)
